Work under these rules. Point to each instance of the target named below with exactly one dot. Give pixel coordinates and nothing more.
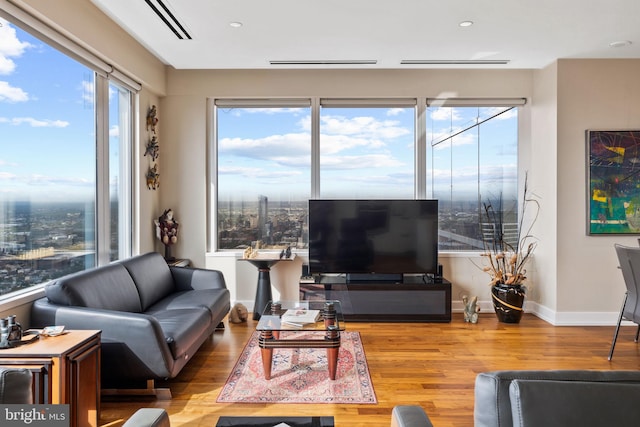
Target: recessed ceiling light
(466, 23)
(235, 24)
(620, 43)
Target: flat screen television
(381, 237)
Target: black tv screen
(373, 236)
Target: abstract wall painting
(613, 205)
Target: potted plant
(506, 254)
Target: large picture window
(57, 171)
(272, 156)
(263, 173)
(472, 157)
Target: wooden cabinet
(66, 370)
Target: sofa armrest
(148, 417)
(409, 416)
(188, 278)
(140, 333)
(573, 403)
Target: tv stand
(412, 299)
(373, 277)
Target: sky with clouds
(364, 152)
(46, 121)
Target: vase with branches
(507, 253)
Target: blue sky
(46, 121)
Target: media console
(410, 300)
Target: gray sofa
(153, 317)
(547, 398)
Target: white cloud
(10, 47)
(445, 113)
(465, 138)
(492, 111)
(292, 144)
(39, 180)
(365, 161)
(364, 127)
(12, 94)
(7, 176)
(114, 131)
(332, 144)
(88, 90)
(395, 111)
(16, 121)
(295, 111)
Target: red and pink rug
(301, 376)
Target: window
(272, 156)
(263, 173)
(120, 137)
(473, 160)
(55, 166)
(367, 152)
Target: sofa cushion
(573, 403)
(492, 405)
(109, 288)
(183, 328)
(151, 276)
(209, 299)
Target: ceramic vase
(508, 301)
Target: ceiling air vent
(326, 62)
(454, 61)
(168, 18)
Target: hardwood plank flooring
(429, 364)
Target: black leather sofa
(153, 317)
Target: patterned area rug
(301, 376)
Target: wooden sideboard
(66, 370)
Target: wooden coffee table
(274, 333)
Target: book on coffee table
(300, 316)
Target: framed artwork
(613, 205)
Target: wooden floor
(429, 364)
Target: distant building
(263, 219)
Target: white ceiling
(527, 33)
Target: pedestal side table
(263, 262)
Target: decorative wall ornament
(152, 119)
(152, 149)
(153, 178)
